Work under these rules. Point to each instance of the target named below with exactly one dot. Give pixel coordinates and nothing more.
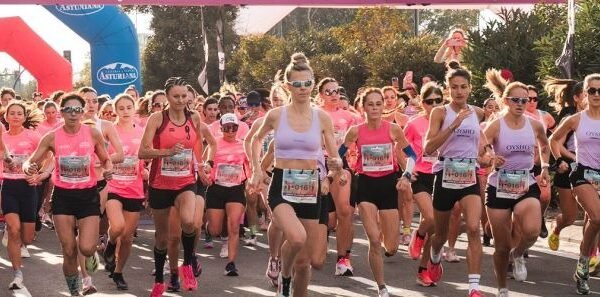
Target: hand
(34, 180)
(31, 169)
(255, 183)
(562, 167)
(206, 168)
(499, 161)
(204, 178)
(334, 164)
(403, 184)
(145, 174)
(462, 115)
(8, 161)
(107, 174)
(176, 149)
(342, 179)
(544, 177)
(414, 177)
(325, 186)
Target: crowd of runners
(298, 160)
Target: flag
(220, 52)
(203, 78)
(566, 59)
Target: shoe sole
(422, 284)
(90, 291)
(575, 278)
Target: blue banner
(113, 44)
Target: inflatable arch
(52, 71)
(113, 44)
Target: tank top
(463, 142)
(342, 121)
(20, 147)
(127, 180)
(231, 163)
(376, 156)
(518, 149)
(290, 144)
(174, 172)
(587, 141)
(74, 157)
(44, 127)
(415, 131)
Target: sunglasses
(72, 109)
(593, 91)
(329, 92)
(301, 83)
(108, 113)
(533, 99)
(253, 104)
(229, 128)
(518, 100)
(158, 105)
(431, 101)
(241, 108)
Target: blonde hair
(589, 78)
(499, 86)
(298, 62)
(279, 89)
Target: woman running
(75, 201)
(512, 194)
(125, 191)
(51, 121)
(172, 139)
(19, 191)
(585, 177)
(454, 132)
(422, 187)
(378, 182)
(300, 131)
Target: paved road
(549, 272)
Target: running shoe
(174, 285)
(383, 293)
(581, 276)
(583, 288)
(435, 271)
(273, 268)
(196, 266)
(25, 252)
(231, 270)
(284, 289)
(91, 263)
(88, 286)
(109, 254)
(405, 236)
(424, 280)
(519, 269)
(476, 293)
(554, 241)
(415, 246)
(224, 253)
(594, 261)
(47, 222)
(251, 241)
(208, 242)
(450, 256)
(17, 283)
(343, 267)
(544, 229)
(187, 274)
(120, 282)
(487, 240)
(157, 290)
(502, 293)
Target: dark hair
(84, 90)
(49, 104)
(55, 97)
(298, 62)
(430, 76)
(209, 101)
(10, 91)
(143, 108)
(174, 81)
(452, 64)
(431, 88)
(71, 96)
(323, 82)
(369, 91)
(225, 98)
(33, 116)
(562, 90)
(458, 72)
(156, 94)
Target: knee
(87, 250)
(214, 229)
(69, 253)
(302, 264)
(375, 244)
(296, 241)
(233, 230)
(472, 229)
(117, 229)
(595, 221)
(318, 262)
(14, 231)
(344, 212)
(501, 249)
(188, 225)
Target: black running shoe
(231, 270)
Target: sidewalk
(572, 233)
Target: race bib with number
(74, 169)
(177, 165)
(229, 175)
(593, 177)
(300, 186)
(377, 157)
(512, 184)
(459, 173)
(15, 170)
(128, 170)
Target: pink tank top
(74, 156)
(376, 156)
(127, 180)
(342, 121)
(20, 147)
(44, 127)
(463, 142)
(231, 164)
(174, 172)
(587, 141)
(415, 131)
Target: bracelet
(545, 165)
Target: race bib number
(459, 173)
(15, 170)
(229, 175)
(74, 169)
(128, 170)
(177, 165)
(593, 177)
(512, 184)
(300, 186)
(377, 157)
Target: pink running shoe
(435, 271)
(158, 290)
(186, 273)
(415, 246)
(476, 293)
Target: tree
(85, 75)
(176, 48)
(308, 19)
(440, 22)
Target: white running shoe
(224, 250)
(25, 252)
(250, 241)
(502, 293)
(451, 256)
(16, 284)
(343, 267)
(383, 293)
(519, 268)
(88, 286)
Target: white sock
(435, 258)
(474, 282)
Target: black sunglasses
(329, 92)
(229, 128)
(72, 109)
(518, 100)
(593, 91)
(533, 99)
(430, 101)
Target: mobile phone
(395, 82)
(408, 79)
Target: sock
(381, 287)
(19, 273)
(160, 256)
(435, 258)
(421, 269)
(253, 231)
(474, 282)
(73, 283)
(187, 240)
(117, 275)
(110, 248)
(348, 252)
(285, 284)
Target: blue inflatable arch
(113, 44)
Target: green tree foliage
(440, 22)
(176, 48)
(308, 19)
